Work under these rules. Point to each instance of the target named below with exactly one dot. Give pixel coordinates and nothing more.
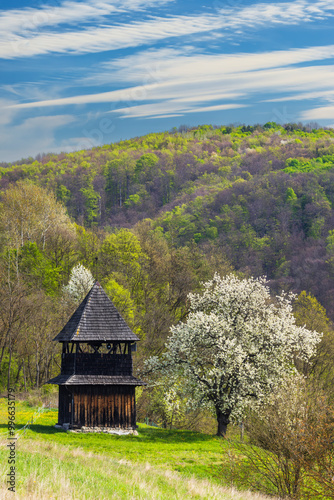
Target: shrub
(292, 442)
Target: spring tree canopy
(235, 346)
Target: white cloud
(68, 12)
(178, 91)
(7, 112)
(113, 96)
(29, 137)
(207, 95)
(24, 40)
(163, 116)
(218, 107)
(169, 108)
(166, 64)
(281, 13)
(327, 95)
(181, 83)
(248, 84)
(321, 113)
(100, 39)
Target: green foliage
(308, 311)
(330, 246)
(121, 251)
(91, 201)
(146, 162)
(295, 165)
(271, 125)
(87, 245)
(291, 196)
(38, 270)
(119, 173)
(63, 194)
(134, 199)
(121, 297)
(166, 404)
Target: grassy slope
(157, 464)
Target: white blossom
(80, 282)
(236, 345)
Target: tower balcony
(83, 363)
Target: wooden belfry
(96, 386)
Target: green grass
(156, 464)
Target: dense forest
(152, 218)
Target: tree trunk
(37, 365)
(2, 354)
(127, 186)
(223, 419)
(18, 374)
(9, 367)
(24, 377)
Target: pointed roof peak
(96, 320)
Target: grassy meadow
(156, 464)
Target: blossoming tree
(235, 346)
(80, 282)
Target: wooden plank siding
(98, 406)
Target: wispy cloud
(170, 109)
(29, 135)
(321, 113)
(170, 64)
(183, 84)
(176, 63)
(326, 95)
(22, 30)
(21, 38)
(16, 21)
(113, 96)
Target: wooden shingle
(95, 380)
(96, 319)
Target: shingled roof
(95, 380)
(96, 319)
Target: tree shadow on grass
(145, 433)
(44, 429)
(41, 429)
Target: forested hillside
(154, 216)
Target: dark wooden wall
(83, 363)
(98, 406)
(64, 406)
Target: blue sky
(77, 74)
